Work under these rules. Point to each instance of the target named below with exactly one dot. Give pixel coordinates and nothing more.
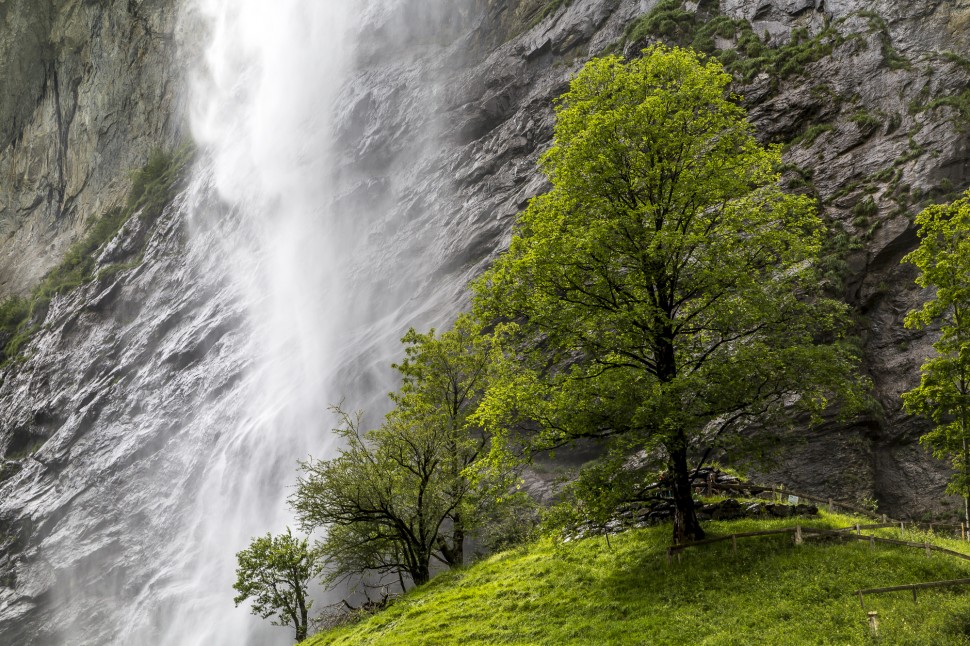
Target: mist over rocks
(120, 429)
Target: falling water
(276, 111)
(177, 393)
(279, 282)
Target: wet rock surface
(125, 393)
(104, 449)
(89, 89)
(892, 140)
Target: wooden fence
(912, 586)
(759, 489)
(800, 533)
(853, 532)
(833, 505)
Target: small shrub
(867, 122)
(812, 133)
(865, 208)
(13, 312)
(667, 20)
(957, 59)
(548, 10)
(959, 103)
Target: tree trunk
(686, 526)
(453, 552)
(302, 623)
(458, 547)
(301, 628)
(420, 573)
(966, 468)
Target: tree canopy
(398, 496)
(943, 395)
(274, 572)
(664, 292)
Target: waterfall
(264, 112)
(278, 283)
(174, 393)
(278, 110)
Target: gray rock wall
(89, 89)
(96, 90)
(883, 103)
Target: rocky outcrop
(128, 390)
(99, 441)
(876, 127)
(90, 88)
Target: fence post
(858, 532)
(927, 547)
(874, 623)
(872, 542)
(885, 519)
(798, 534)
(914, 595)
(830, 505)
(902, 530)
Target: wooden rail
(928, 547)
(801, 532)
(963, 528)
(730, 537)
(912, 586)
(797, 530)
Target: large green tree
(664, 291)
(399, 496)
(943, 259)
(274, 572)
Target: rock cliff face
(123, 398)
(89, 89)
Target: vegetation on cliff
(943, 395)
(154, 186)
(742, 52)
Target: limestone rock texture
(88, 91)
(891, 136)
(108, 421)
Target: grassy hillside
(770, 592)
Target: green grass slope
(624, 592)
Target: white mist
(266, 201)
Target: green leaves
(666, 286)
(274, 572)
(666, 249)
(943, 259)
(406, 492)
